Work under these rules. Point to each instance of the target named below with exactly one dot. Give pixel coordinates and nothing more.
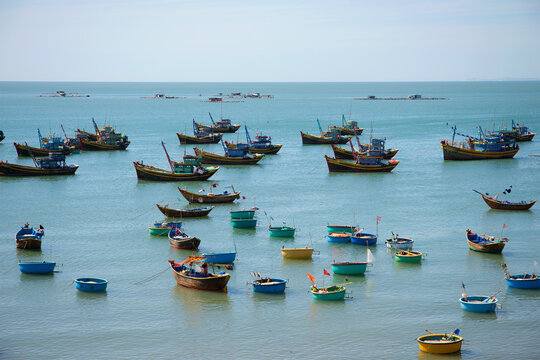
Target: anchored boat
(211, 198)
(55, 164)
(194, 278)
(339, 237)
(335, 292)
(231, 157)
(401, 243)
(261, 145)
(29, 238)
(297, 253)
(372, 160)
(183, 213)
(485, 243)
(440, 343)
(269, 285)
(222, 126)
(408, 256)
(91, 284)
(37, 267)
(521, 281)
(495, 203)
(163, 228)
(200, 136)
(180, 240)
(348, 127)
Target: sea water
(96, 225)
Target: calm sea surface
(96, 224)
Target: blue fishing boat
(269, 285)
(362, 238)
(478, 303)
(29, 238)
(371, 161)
(400, 243)
(261, 145)
(339, 237)
(91, 284)
(219, 258)
(55, 164)
(51, 144)
(521, 281)
(37, 267)
(244, 223)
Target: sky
(272, 40)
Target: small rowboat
(408, 256)
(335, 292)
(201, 280)
(340, 229)
(362, 238)
(297, 253)
(244, 223)
(182, 172)
(440, 343)
(211, 198)
(281, 231)
(269, 285)
(36, 267)
(339, 237)
(506, 205)
(180, 240)
(399, 243)
(219, 258)
(349, 268)
(478, 303)
(91, 284)
(485, 243)
(29, 238)
(521, 281)
(163, 228)
(242, 214)
(182, 213)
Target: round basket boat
(91, 284)
(31, 267)
(269, 285)
(408, 256)
(478, 303)
(339, 237)
(440, 343)
(523, 281)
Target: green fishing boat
(408, 256)
(242, 214)
(340, 229)
(244, 223)
(281, 231)
(349, 268)
(163, 228)
(335, 292)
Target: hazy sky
(271, 40)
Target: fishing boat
(348, 127)
(29, 238)
(231, 157)
(261, 145)
(352, 267)
(269, 285)
(521, 281)
(91, 284)
(478, 303)
(334, 292)
(210, 198)
(37, 267)
(408, 256)
(372, 161)
(55, 164)
(339, 237)
(281, 231)
(440, 343)
(297, 253)
(244, 223)
(198, 279)
(190, 169)
(86, 134)
(495, 203)
(332, 136)
(242, 214)
(362, 238)
(221, 126)
(47, 145)
(401, 243)
(180, 240)
(219, 258)
(2, 136)
(485, 243)
(104, 143)
(183, 213)
(344, 154)
(518, 132)
(163, 228)
(200, 136)
(494, 146)
(340, 229)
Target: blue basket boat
(400, 243)
(362, 238)
(91, 284)
(478, 303)
(523, 281)
(36, 267)
(269, 285)
(244, 223)
(339, 237)
(220, 258)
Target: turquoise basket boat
(349, 268)
(336, 292)
(339, 237)
(478, 303)
(244, 223)
(408, 256)
(281, 231)
(242, 214)
(31, 267)
(340, 229)
(91, 284)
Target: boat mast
(41, 145)
(248, 138)
(211, 118)
(64, 131)
(168, 157)
(320, 128)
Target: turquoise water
(96, 225)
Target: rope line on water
(150, 278)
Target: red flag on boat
(214, 185)
(311, 277)
(504, 226)
(243, 198)
(378, 219)
(326, 272)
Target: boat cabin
(54, 161)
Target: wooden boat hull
(297, 253)
(216, 282)
(456, 153)
(271, 150)
(479, 243)
(364, 239)
(523, 281)
(220, 258)
(244, 223)
(340, 229)
(24, 150)
(37, 267)
(409, 257)
(281, 231)
(477, 304)
(339, 237)
(89, 135)
(211, 158)
(331, 295)
(430, 344)
(183, 213)
(316, 140)
(335, 165)
(344, 154)
(188, 243)
(87, 144)
(28, 243)
(7, 169)
(147, 172)
(346, 131)
(525, 137)
(91, 284)
(210, 199)
(500, 205)
(349, 268)
(273, 286)
(210, 139)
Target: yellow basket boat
(440, 343)
(297, 253)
